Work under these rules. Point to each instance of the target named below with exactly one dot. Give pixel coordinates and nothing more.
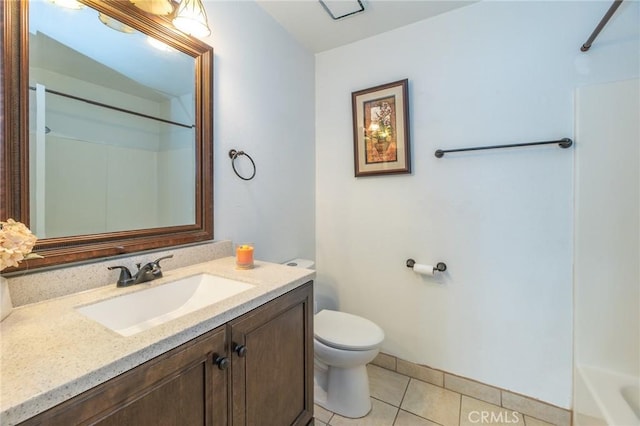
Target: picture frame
(381, 143)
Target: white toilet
(343, 344)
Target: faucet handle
(125, 275)
(155, 265)
(157, 261)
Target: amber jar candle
(244, 256)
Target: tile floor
(399, 400)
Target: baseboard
(465, 386)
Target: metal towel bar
(563, 143)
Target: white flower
(16, 243)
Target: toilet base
(346, 392)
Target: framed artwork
(381, 129)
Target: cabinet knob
(221, 361)
(241, 350)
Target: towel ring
(233, 154)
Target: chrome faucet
(149, 272)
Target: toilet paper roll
(421, 269)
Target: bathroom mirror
(107, 130)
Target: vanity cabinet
(272, 366)
(255, 370)
(180, 387)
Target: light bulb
(191, 18)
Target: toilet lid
(345, 331)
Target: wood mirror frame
(14, 155)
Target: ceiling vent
(339, 9)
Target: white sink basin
(135, 312)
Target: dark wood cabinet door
(272, 362)
(182, 387)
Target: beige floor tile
(432, 402)
(530, 421)
(317, 422)
(381, 414)
(321, 414)
(405, 418)
(420, 372)
(536, 409)
(387, 386)
(475, 412)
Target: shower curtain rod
(603, 22)
(139, 114)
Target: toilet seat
(341, 330)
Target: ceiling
(312, 26)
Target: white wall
(490, 73)
(263, 104)
(607, 245)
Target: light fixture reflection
(158, 44)
(114, 24)
(191, 18)
(69, 4)
(156, 7)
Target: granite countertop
(49, 352)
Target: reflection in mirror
(111, 128)
(107, 146)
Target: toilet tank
(300, 263)
(319, 301)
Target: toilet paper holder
(440, 266)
